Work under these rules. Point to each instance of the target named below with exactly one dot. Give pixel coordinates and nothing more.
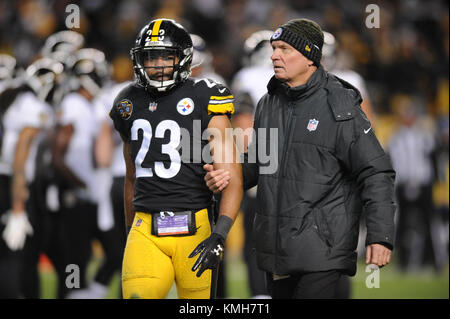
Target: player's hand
(378, 254)
(211, 252)
(16, 230)
(216, 180)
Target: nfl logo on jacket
(312, 125)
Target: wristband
(223, 226)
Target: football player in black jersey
(161, 118)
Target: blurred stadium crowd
(401, 68)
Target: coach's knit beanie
(304, 35)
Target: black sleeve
(250, 168)
(249, 172)
(359, 150)
(118, 117)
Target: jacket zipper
(281, 174)
(287, 139)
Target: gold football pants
(151, 264)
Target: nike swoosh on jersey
(367, 131)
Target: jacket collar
(316, 81)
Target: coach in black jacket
(330, 167)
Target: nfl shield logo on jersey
(152, 106)
(312, 125)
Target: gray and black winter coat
(330, 168)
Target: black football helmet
(162, 37)
(65, 41)
(89, 69)
(201, 54)
(43, 77)
(257, 48)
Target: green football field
(392, 284)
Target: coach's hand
(378, 254)
(211, 252)
(216, 180)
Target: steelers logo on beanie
(304, 35)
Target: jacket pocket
(303, 223)
(322, 228)
(263, 237)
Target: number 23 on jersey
(170, 148)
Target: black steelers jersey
(167, 148)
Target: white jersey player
(110, 175)
(85, 165)
(77, 112)
(23, 123)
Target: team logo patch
(138, 222)
(312, 125)
(125, 109)
(307, 48)
(185, 106)
(277, 33)
(152, 106)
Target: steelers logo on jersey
(185, 106)
(125, 108)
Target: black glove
(211, 252)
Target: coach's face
(289, 65)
